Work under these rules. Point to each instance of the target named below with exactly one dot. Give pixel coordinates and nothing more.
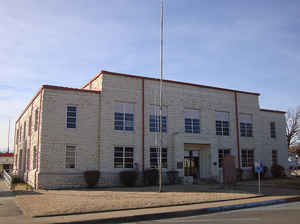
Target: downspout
(143, 123)
(237, 128)
(38, 142)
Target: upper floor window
(274, 157)
(155, 157)
(247, 158)
(71, 116)
(124, 116)
(154, 119)
(17, 137)
(70, 156)
(36, 118)
(123, 157)
(24, 131)
(29, 125)
(192, 121)
(222, 123)
(246, 125)
(20, 134)
(221, 154)
(273, 129)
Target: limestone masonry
(112, 124)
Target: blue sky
(246, 45)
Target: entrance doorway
(197, 162)
(191, 165)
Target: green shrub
(91, 177)
(277, 171)
(172, 176)
(239, 174)
(150, 177)
(16, 180)
(128, 177)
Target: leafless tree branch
(293, 126)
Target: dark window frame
(247, 158)
(123, 157)
(221, 154)
(273, 129)
(71, 117)
(154, 156)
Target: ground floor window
(154, 157)
(70, 156)
(222, 153)
(274, 157)
(247, 158)
(34, 158)
(20, 165)
(123, 157)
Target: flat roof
(166, 80)
(54, 87)
(273, 111)
(6, 154)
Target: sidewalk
(9, 211)
(167, 212)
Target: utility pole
(8, 136)
(160, 94)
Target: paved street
(284, 213)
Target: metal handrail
(7, 178)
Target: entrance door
(191, 165)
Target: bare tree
(293, 126)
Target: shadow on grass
(17, 192)
(149, 207)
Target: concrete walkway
(9, 210)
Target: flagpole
(160, 94)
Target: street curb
(178, 214)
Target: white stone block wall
(55, 136)
(95, 137)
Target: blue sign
(259, 167)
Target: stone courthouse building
(111, 125)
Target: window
(20, 134)
(34, 153)
(154, 119)
(192, 121)
(17, 137)
(247, 158)
(222, 123)
(29, 125)
(20, 159)
(222, 153)
(272, 130)
(36, 118)
(71, 116)
(124, 116)
(274, 157)
(155, 156)
(24, 132)
(70, 156)
(246, 125)
(123, 157)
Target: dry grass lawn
(93, 200)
